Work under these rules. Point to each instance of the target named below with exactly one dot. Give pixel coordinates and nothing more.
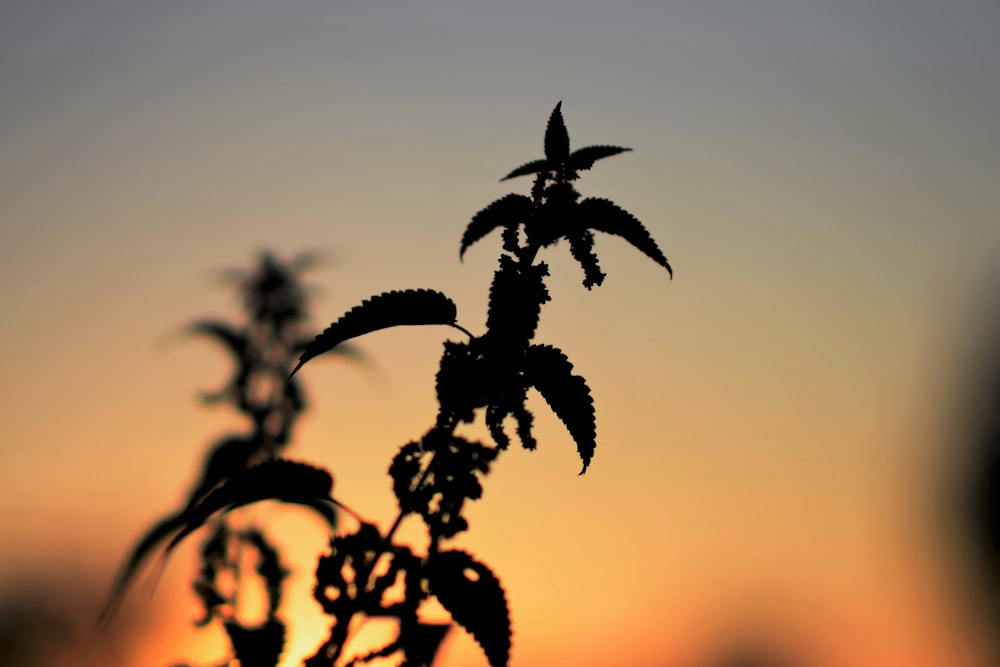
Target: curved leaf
(605, 216)
(533, 167)
(226, 459)
(232, 338)
(475, 599)
(153, 537)
(277, 479)
(549, 371)
(556, 137)
(389, 309)
(504, 212)
(584, 158)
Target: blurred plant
(366, 573)
(244, 467)
(975, 492)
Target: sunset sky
(775, 425)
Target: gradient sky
(771, 423)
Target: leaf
(556, 137)
(549, 371)
(421, 641)
(389, 309)
(475, 599)
(605, 216)
(505, 212)
(257, 647)
(153, 537)
(346, 350)
(226, 459)
(277, 479)
(533, 167)
(584, 158)
(233, 339)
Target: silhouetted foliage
(244, 468)
(366, 573)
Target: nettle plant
(367, 573)
(264, 349)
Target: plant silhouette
(245, 467)
(366, 573)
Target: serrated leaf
(556, 137)
(257, 647)
(584, 158)
(389, 309)
(277, 479)
(533, 167)
(473, 596)
(505, 212)
(549, 371)
(346, 350)
(605, 216)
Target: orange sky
(773, 425)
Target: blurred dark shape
(48, 620)
(245, 466)
(975, 489)
(751, 655)
(755, 646)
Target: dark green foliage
(415, 306)
(475, 599)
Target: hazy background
(773, 425)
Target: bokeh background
(777, 426)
